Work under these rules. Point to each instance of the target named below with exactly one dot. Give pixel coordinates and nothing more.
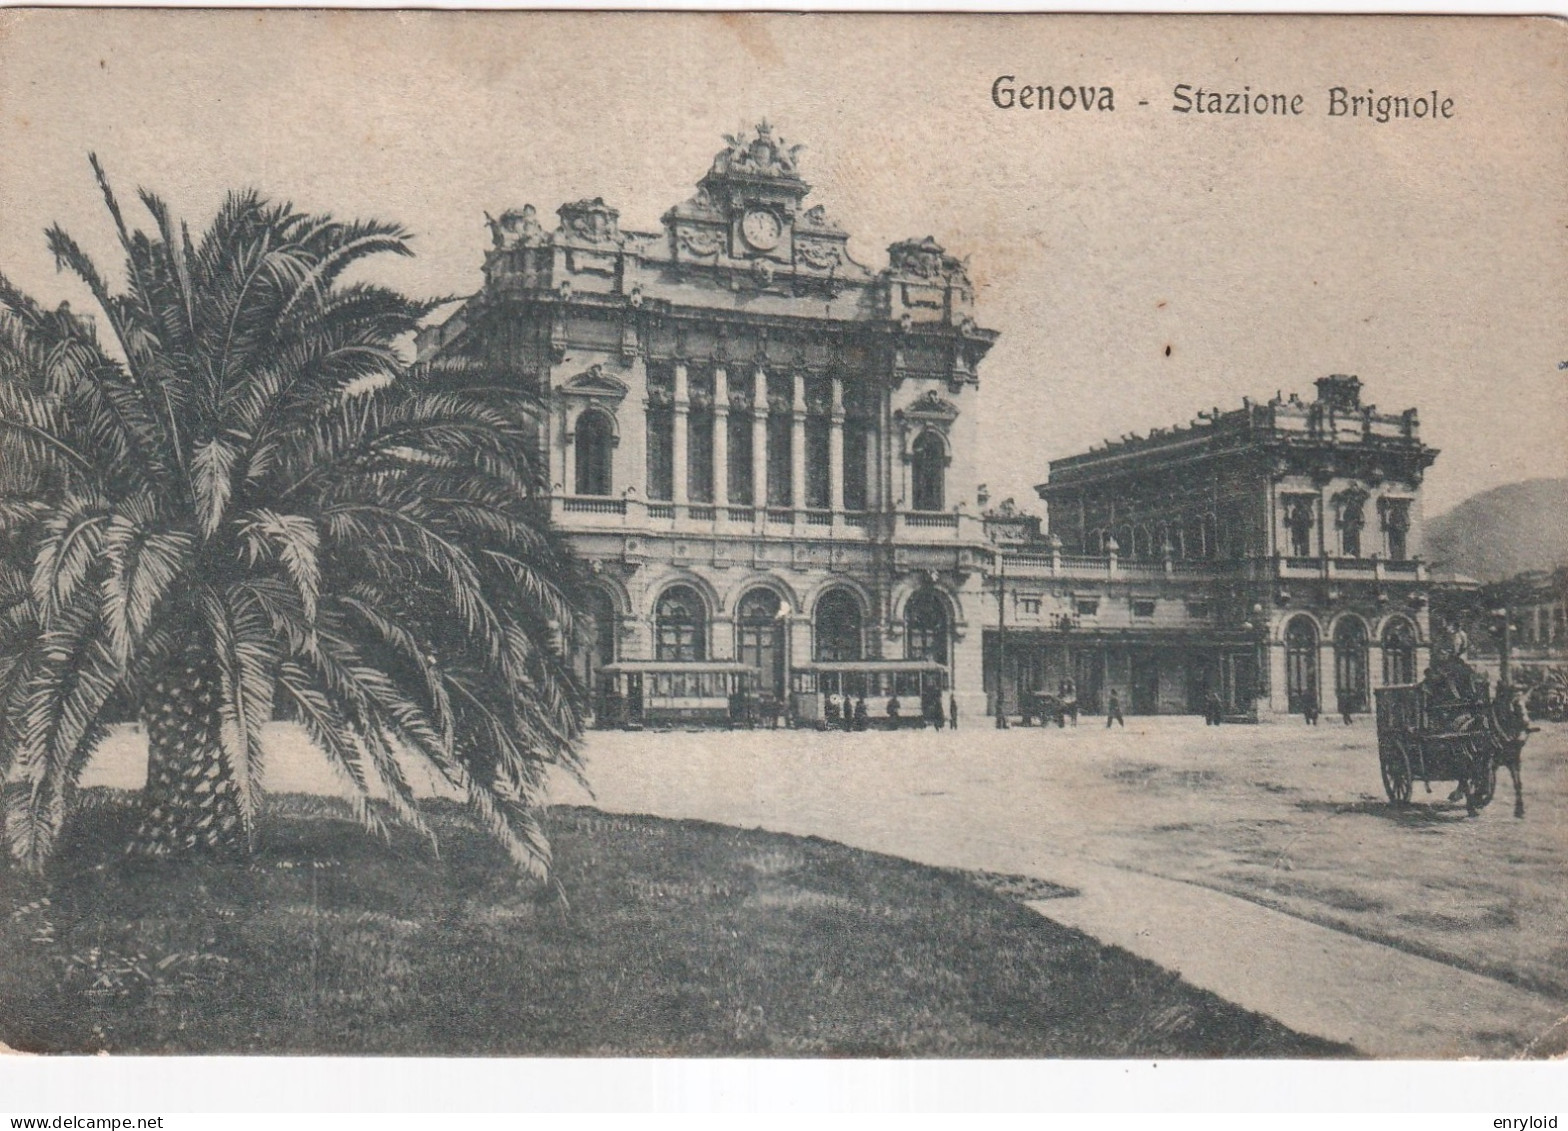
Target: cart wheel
(1396, 775)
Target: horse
(1511, 723)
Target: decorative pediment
(517, 226)
(595, 383)
(592, 221)
(932, 407)
(926, 261)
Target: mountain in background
(1504, 531)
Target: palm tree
(251, 508)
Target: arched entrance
(760, 638)
(680, 625)
(1301, 665)
(927, 628)
(1399, 652)
(1350, 665)
(838, 627)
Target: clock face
(761, 229)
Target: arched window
(926, 627)
(1301, 665)
(680, 625)
(759, 637)
(1350, 665)
(1399, 652)
(838, 626)
(595, 446)
(928, 468)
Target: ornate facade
(762, 448)
(1269, 555)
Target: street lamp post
(1505, 644)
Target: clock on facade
(761, 229)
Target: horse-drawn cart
(1449, 728)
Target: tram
(918, 685)
(651, 693)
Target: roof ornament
(761, 156)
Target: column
(836, 448)
(678, 453)
(759, 443)
(721, 438)
(797, 441)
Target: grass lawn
(673, 938)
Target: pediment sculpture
(516, 226)
(595, 382)
(591, 220)
(761, 156)
(931, 405)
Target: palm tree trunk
(191, 802)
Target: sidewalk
(1315, 980)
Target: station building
(765, 451)
(1269, 554)
(762, 448)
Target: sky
(1140, 264)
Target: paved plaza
(1261, 862)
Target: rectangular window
(699, 456)
(779, 424)
(661, 453)
(1300, 514)
(855, 464)
(818, 466)
(740, 459)
(1143, 606)
(1199, 609)
(1396, 525)
(1030, 605)
(1087, 606)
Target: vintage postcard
(783, 536)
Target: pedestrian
(937, 720)
(1214, 709)
(952, 712)
(1113, 710)
(834, 709)
(893, 708)
(1345, 707)
(1069, 703)
(1309, 708)
(861, 720)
